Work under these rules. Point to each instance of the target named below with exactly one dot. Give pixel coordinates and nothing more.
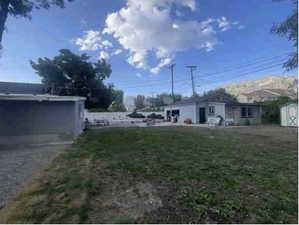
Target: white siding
(219, 110)
(186, 112)
(289, 115)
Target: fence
(114, 116)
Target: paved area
(19, 163)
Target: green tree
(271, 109)
(139, 102)
(23, 8)
(218, 95)
(117, 104)
(74, 75)
(117, 107)
(289, 28)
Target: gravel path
(18, 164)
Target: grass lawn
(167, 175)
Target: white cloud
(146, 28)
(90, 41)
(104, 55)
(163, 62)
(107, 44)
(224, 24)
(117, 52)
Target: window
(175, 112)
(211, 110)
(249, 112)
(246, 112)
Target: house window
(211, 110)
(246, 112)
(249, 112)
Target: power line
(211, 74)
(206, 75)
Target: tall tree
(218, 95)
(23, 8)
(117, 104)
(289, 28)
(71, 74)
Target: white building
(289, 115)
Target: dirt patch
(121, 200)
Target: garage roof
(29, 97)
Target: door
(292, 114)
(202, 115)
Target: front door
(202, 115)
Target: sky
(228, 41)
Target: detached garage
(35, 119)
(289, 115)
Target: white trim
(28, 97)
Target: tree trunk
(3, 16)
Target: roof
(201, 99)
(21, 88)
(289, 103)
(30, 97)
(208, 99)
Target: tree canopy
(289, 28)
(271, 109)
(74, 75)
(218, 95)
(23, 8)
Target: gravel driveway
(18, 164)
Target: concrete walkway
(19, 163)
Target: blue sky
(234, 44)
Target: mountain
(266, 88)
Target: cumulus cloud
(117, 52)
(104, 55)
(147, 29)
(90, 41)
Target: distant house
(28, 117)
(203, 110)
(21, 88)
(289, 115)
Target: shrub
(247, 122)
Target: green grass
(224, 176)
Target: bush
(271, 109)
(188, 121)
(247, 122)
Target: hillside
(264, 88)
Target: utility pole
(192, 68)
(171, 68)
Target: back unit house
(201, 111)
